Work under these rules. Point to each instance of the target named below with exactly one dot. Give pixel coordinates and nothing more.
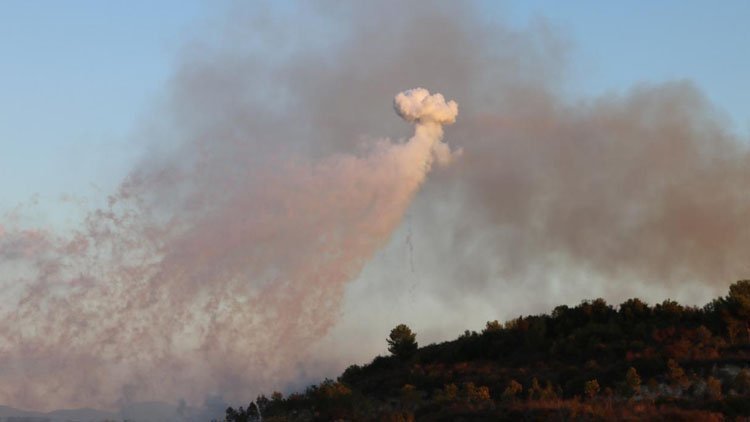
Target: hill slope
(591, 361)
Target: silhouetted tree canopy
(402, 342)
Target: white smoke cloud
(418, 105)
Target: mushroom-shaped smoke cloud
(418, 105)
(430, 112)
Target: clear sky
(77, 76)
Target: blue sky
(76, 77)
(618, 44)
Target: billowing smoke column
(222, 296)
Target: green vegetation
(402, 342)
(591, 362)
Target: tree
(476, 395)
(739, 300)
(632, 382)
(535, 391)
(742, 381)
(536, 332)
(669, 311)
(449, 393)
(548, 393)
(677, 375)
(402, 342)
(410, 396)
(739, 294)
(634, 309)
(713, 388)
(242, 415)
(493, 327)
(512, 391)
(591, 388)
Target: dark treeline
(593, 361)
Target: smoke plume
(225, 254)
(221, 296)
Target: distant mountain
(135, 412)
(83, 415)
(152, 411)
(7, 411)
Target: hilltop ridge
(593, 361)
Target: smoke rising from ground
(205, 296)
(225, 253)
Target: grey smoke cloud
(226, 253)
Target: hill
(11, 414)
(593, 361)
